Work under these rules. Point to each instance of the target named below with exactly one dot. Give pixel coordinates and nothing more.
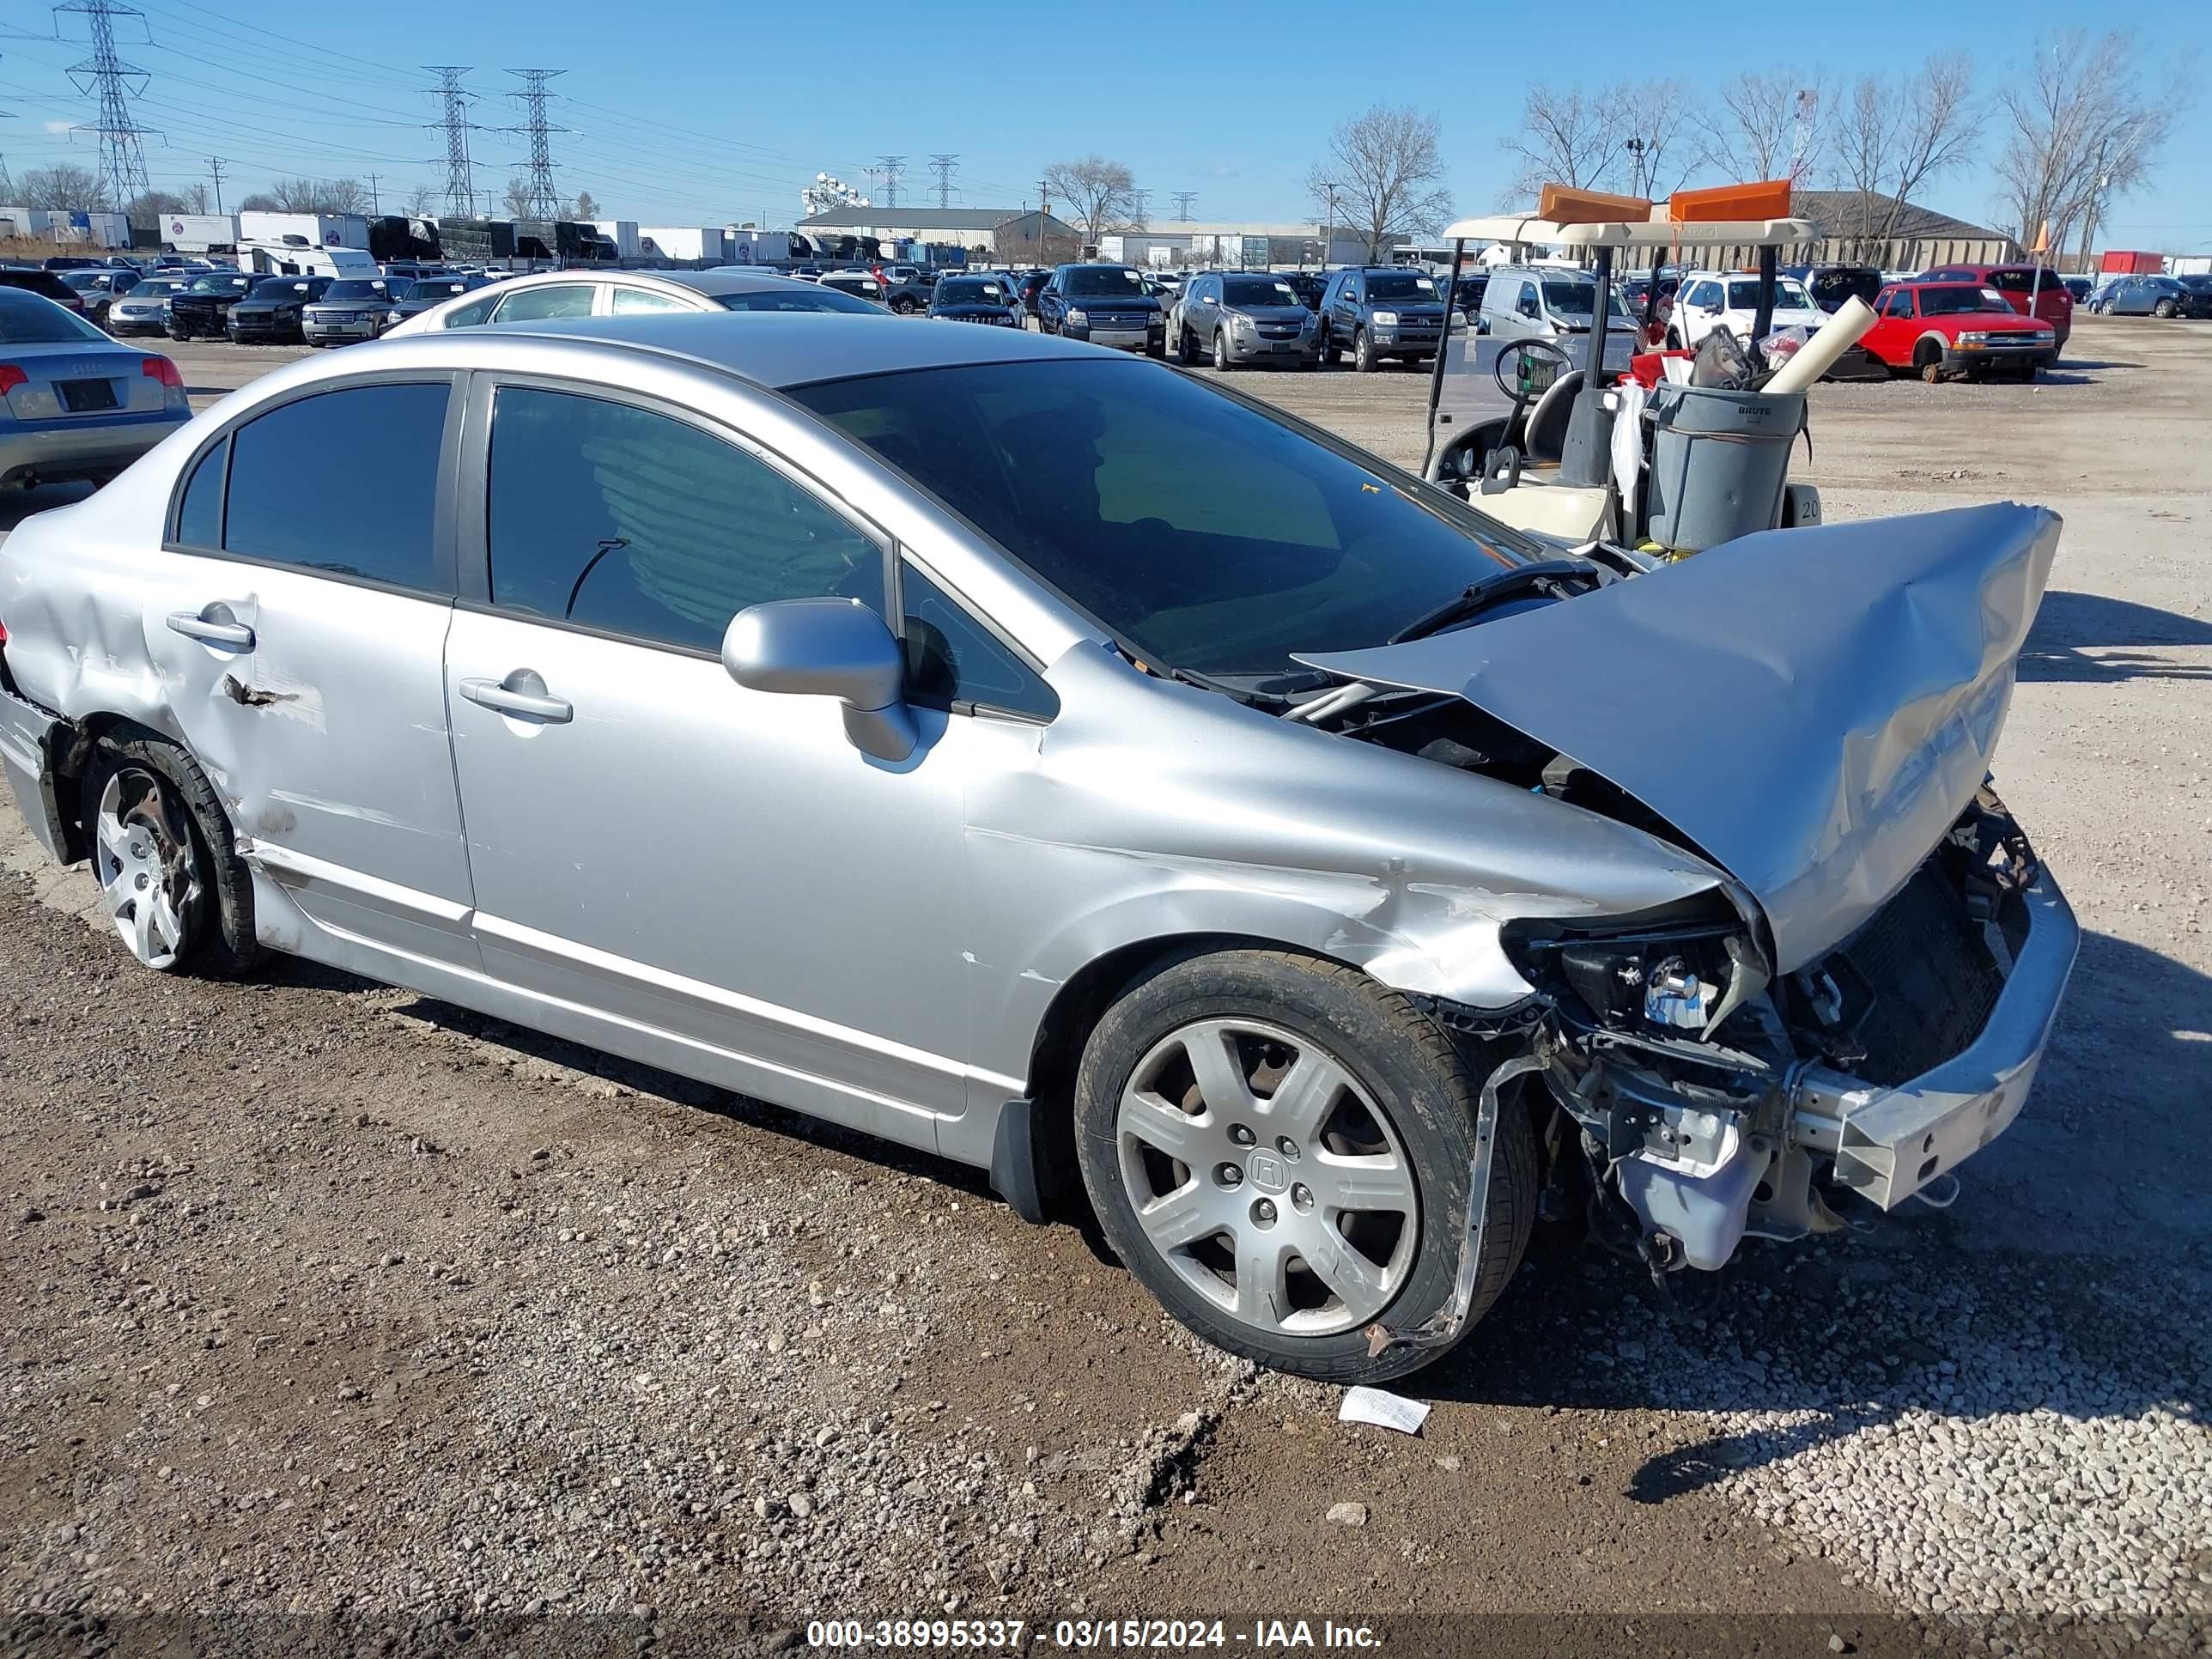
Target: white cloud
(60, 126)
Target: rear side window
(199, 516)
(629, 302)
(469, 315)
(952, 658)
(344, 482)
(618, 518)
(558, 300)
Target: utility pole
(1640, 184)
(890, 167)
(375, 205)
(1329, 190)
(544, 194)
(115, 83)
(1183, 199)
(1044, 210)
(944, 166)
(1801, 145)
(215, 165)
(460, 189)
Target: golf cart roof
(1635, 233)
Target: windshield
(435, 289)
(1834, 286)
(362, 290)
(1092, 280)
(800, 296)
(1788, 296)
(1571, 298)
(220, 285)
(967, 291)
(1403, 285)
(1256, 291)
(280, 287)
(1957, 301)
(152, 290)
(1205, 534)
(2195, 284)
(27, 320)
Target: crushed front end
(1713, 1100)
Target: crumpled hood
(1813, 708)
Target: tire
(1393, 1086)
(1673, 339)
(1221, 361)
(1364, 360)
(1330, 353)
(150, 815)
(2164, 308)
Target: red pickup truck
(1964, 329)
(2053, 300)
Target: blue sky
(697, 113)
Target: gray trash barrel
(1719, 460)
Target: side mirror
(828, 649)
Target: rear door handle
(200, 625)
(532, 704)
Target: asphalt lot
(321, 1299)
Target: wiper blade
(1480, 596)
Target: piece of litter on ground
(1383, 1409)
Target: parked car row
(2155, 296)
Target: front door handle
(527, 697)
(215, 629)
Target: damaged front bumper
(1870, 1075)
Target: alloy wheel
(1267, 1177)
(143, 856)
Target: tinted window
(1205, 532)
(199, 516)
(475, 312)
(345, 481)
(952, 658)
(619, 518)
(795, 296)
(558, 300)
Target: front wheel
(1221, 361)
(170, 878)
(2165, 308)
(1363, 352)
(1281, 1150)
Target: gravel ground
(320, 1298)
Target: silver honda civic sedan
(1054, 761)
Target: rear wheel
(170, 877)
(1280, 1150)
(1329, 352)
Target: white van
(1545, 302)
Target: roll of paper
(1829, 342)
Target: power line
(944, 166)
(460, 188)
(545, 195)
(1183, 199)
(890, 167)
(115, 82)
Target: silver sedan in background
(1080, 771)
(145, 309)
(75, 403)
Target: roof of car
(779, 350)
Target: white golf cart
(1524, 427)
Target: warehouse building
(1005, 235)
(1858, 230)
(1180, 243)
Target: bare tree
(196, 198)
(64, 188)
(1570, 138)
(1891, 139)
(1772, 125)
(1387, 171)
(424, 199)
(1097, 195)
(1666, 141)
(2079, 131)
(344, 196)
(261, 202)
(583, 208)
(145, 210)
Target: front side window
(952, 658)
(554, 299)
(1205, 533)
(620, 519)
(296, 484)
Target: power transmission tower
(1183, 199)
(215, 165)
(545, 195)
(115, 83)
(460, 188)
(944, 166)
(1144, 204)
(890, 167)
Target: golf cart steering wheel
(1523, 358)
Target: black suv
(203, 305)
(1375, 311)
(1104, 303)
(273, 310)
